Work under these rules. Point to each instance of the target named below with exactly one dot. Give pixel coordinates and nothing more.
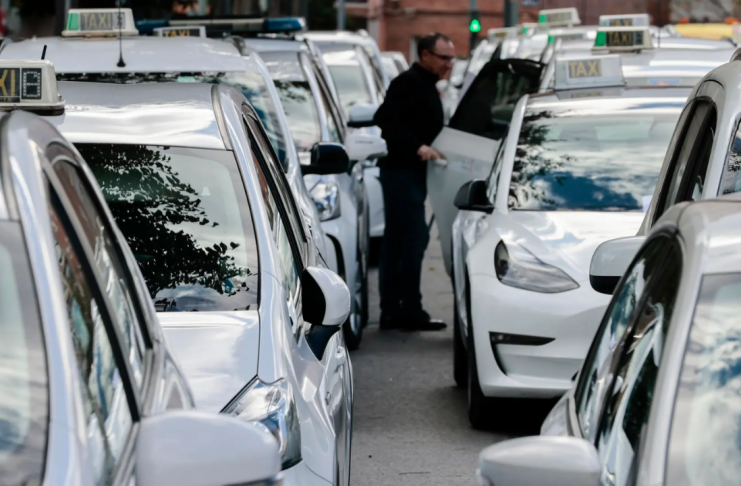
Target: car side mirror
(327, 158)
(204, 449)
(610, 261)
(361, 116)
(472, 197)
(542, 460)
(326, 306)
(361, 146)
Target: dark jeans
(405, 240)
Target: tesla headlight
(326, 196)
(517, 267)
(274, 407)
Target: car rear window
(186, 217)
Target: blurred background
(395, 24)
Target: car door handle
(341, 356)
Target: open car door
(472, 137)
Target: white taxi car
(89, 393)
(525, 310)
(658, 398)
(193, 182)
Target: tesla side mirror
(327, 158)
(611, 260)
(361, 116)
(361, 146)
(543, 460)
(204, 449)
(472, 197)
(326, 305)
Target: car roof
(180, 115)
(141, 54)
(337, 36)
(607, 100)
(278, 44)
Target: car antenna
(43, 53)
(121, 62)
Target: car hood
(568, 239)
(218, 351)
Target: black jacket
(410, 116)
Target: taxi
(701, 162)
(90, 393)
(250, 312)
(526, 230)
(175, 54)
(657, 400)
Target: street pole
(474, 35)
(340, 14)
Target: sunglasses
(441, 57)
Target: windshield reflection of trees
(149, 201)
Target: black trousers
(405, 240)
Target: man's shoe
(389, 322)
(421, 321)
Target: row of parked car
(186, 212)
(584, 162)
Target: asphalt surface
(410, 421)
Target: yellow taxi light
(99, 22)
(621, 39)
(185, 31)
(559, 17)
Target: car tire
(353, 328)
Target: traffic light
(475, 27)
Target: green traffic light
(475, 26)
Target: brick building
(397, 23)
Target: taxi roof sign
(502, 33)
(588, 72)
(621, 39)
(559, 17)
(99, 22)
(30, 86)
(528, 28)
(634, 20)
(185, 31)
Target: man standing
(410, 118)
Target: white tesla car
(573, 171)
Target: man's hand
(426, 152)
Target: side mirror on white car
(361, 116)
(611, 260)
(326, 306)
(189, 448)
(361, 146)
(542, 460)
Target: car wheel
(355, 323)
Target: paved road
(411, 426)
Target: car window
(185, 215)
(704, 445)
(731, 182)
(492, 182)
(331, 115)
(24, 389)
(486, 108)
(107, 415)
(568, 160)
(349, 79)
(100, 237)
(629, 402)
(688, 154)
(593, 379)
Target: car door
(294, 256)
(470, 141)
(687, 169)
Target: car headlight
(326, 196)
(517, 267)
(274, 407)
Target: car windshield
(705, 445)
(252, 85)
(185, 215)
(578, 161)
(296, 97)
(23, 371)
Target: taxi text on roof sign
(634, 20)
(194, 31)
(99, 22)
(502, 33)
(589, 72)
(29, 85)
(616, 39)
(559, 17)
